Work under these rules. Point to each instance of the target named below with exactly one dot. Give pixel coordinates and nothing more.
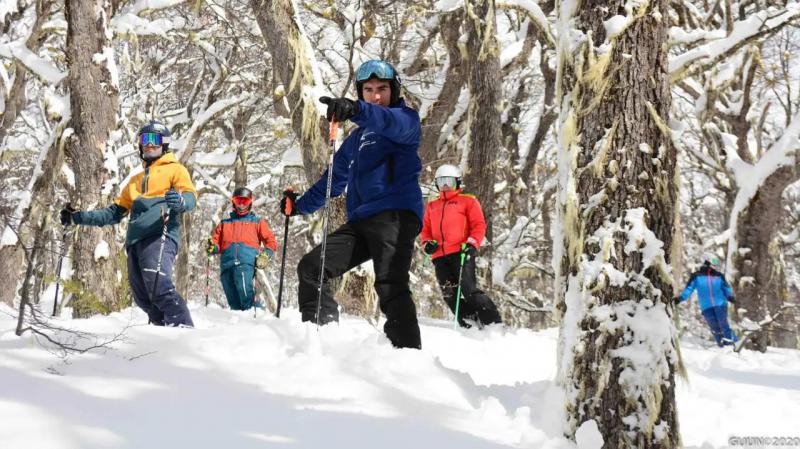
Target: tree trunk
(442, 108)
(485, 134)
(759, 279)
(93, 98)
(616, 202)
(276, 19)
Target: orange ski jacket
(239, 239)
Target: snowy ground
(239, 382)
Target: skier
(379, 165)
(239, 238)
(713, 293)
(454, 223)
(155, 199)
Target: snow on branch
(185, 145)
(755, 26)
(784, 152)
(43, 69)
(128, 20)
(534, 12)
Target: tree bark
(759, 278)
(484, 129)
(291, 63)
(93, 99)
(444, 105)
(616, 202)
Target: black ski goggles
(146, 139)
(375, 69)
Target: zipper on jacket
(441, 223)
(144, 180)
(710, 289)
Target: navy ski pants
(165, 307)
(237, 282)
(717, 319)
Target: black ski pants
(387, 239)
(475, 305)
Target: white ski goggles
(449, 181)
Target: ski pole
(458, 291)
(165, 219)
(255, 293)
(208, 276)
(283, 261)
(326, 216)
(60, 263)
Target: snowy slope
(241, 382)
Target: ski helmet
(448, 174)
(156, 133)
(382, 70)
(242, 200)
(711, 259)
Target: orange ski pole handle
(333, 130)
(289, 204)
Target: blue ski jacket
(712, 289)
(378, 165)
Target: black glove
(288, 203)
(175, 201)
(732, 300)
(676, 300)
(340, 108)
(67, 215)
(430, 247)
(211, 248)
(470, 250)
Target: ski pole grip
(333, 130)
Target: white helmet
(447, 170)
(447, 175)
(712, 260)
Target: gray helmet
(154, 132)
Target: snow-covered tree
(616, 207)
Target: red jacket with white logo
(451, 220)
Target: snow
(7, 7)
(588, 436)
(244, 382)
(742, 30)
(101, 251)
(40, 67)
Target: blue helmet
(382, 70)
(156, 133)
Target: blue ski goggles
(375, 69)
(146, 139)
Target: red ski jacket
(451, 220)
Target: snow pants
(475, 305)
(164, 306)
(717, 319)
(387, 239)
(237, 282)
